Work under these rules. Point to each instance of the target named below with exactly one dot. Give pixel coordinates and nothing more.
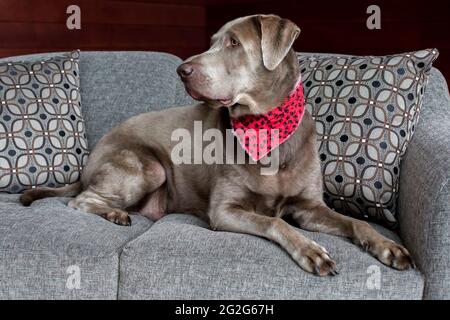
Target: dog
(249, 68)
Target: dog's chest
(286, 182)
(268, 197)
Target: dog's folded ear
(277, 37)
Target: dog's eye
(234, 42)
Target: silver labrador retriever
(249, 68)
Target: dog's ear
(277, 37)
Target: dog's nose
(185, 70)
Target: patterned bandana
(260, 134)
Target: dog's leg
(119, 184)
(91, 202)
(108, 207)
(308, 254)
(318, 217)
(31, 195)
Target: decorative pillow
(42, 138)
(366, 110)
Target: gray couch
(50, 251)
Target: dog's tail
(31, 195)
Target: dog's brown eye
(234, 42)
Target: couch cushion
(118, 85)
(179, 258)
(366, 109)
(44, 247)
(42, 135)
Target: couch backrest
(118, 85)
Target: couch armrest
(424, 204)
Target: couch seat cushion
(47, 247)
(179, 258)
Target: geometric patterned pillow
(42, 134)
(366, 110)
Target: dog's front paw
(391, 254)
(315, 259)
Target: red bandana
(260, 134)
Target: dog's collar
(260, 134)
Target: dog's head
(248, 58)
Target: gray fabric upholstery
(364, 126)
(118, 85)
(424, 203)
(180, 259)
(38, 244)
(424, 192)
(50, 147)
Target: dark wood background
(183, 27)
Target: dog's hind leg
(100, 206)
(120, 183)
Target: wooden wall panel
(28, 26)
(117, 12)
(183, 27)
(340, 26)
(99, 36)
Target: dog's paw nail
(317, 270)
